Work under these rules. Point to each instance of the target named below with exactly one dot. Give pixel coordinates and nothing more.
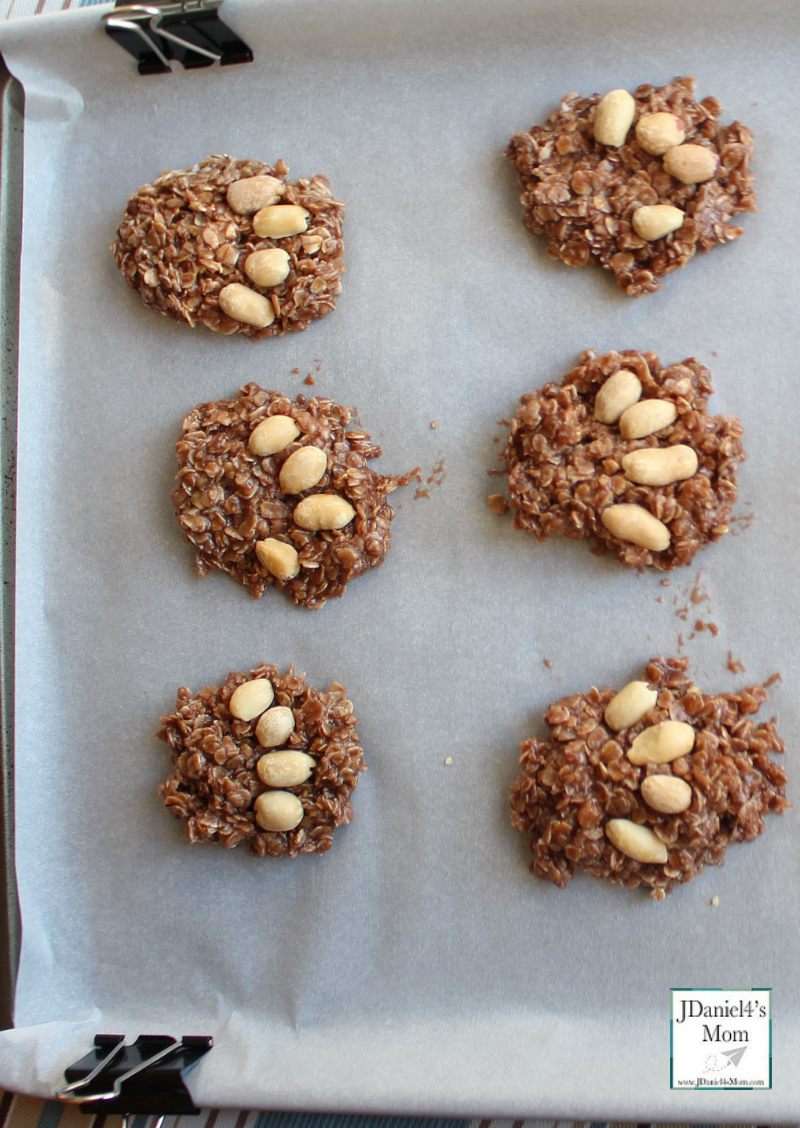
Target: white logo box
(721, 1039)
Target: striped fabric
(27, 1112)
(14, 9)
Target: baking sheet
(418, 967)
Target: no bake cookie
(649, 785)
(624, 453)
(635, 183)
(263, 760)
(235, 246)
(279, 492)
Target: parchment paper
(418, 966)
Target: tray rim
(12, 104)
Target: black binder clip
(145, 1077)
(187, 31)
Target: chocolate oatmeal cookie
(263, 759)
(635, 184)
(276, 491)
(624, 453)
(649, 785)
(235, 246)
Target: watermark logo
(721, 1039)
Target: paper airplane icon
(735, 1056)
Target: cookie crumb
(714, 902)
(309, 379)
(548, 662)
(734, 665)
(437, 474)
(497, 503)
(448, 761)
(434, 424)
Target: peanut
(285, 769)
(323, 511)
(630, 705)
(635, 841)
(267, 268)
(619, 392)
(303, 469)
(245, 305)
(280, 221)
(666, 793)
(275, 726)
(660, 466)
(272, 434)
(691, 164)
(646, 417)
(613, 118)
(251, 698)
(278, 810)
(252, 193)
(658, 132)
(662, 743)
(638, 525)
(653, 221)
(280, 559)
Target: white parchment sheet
(418, 966)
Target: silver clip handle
(112, 1094)
(62, 1093)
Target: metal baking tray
(11, 118)
(418, 967)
